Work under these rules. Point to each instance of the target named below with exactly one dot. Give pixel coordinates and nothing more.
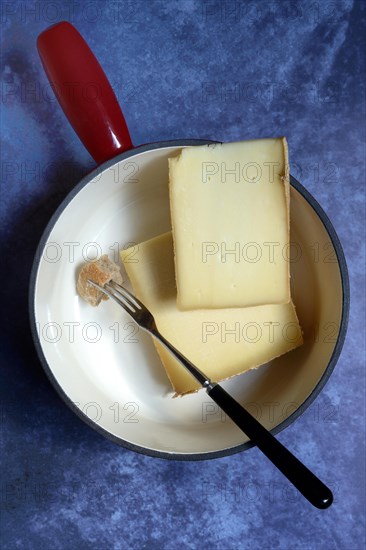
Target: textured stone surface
(182, 68)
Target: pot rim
(187, 456)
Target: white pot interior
(117, 381)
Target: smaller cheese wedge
(221, 342)
(229, 206)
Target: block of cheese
(230, 217)
(221, 342)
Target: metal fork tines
(132, 305)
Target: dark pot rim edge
(170, 455)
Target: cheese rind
(222, 343)
(230, 217)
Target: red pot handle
(83, 91)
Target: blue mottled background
(182, 68)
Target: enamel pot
(105, 370)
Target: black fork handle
(314, 490)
